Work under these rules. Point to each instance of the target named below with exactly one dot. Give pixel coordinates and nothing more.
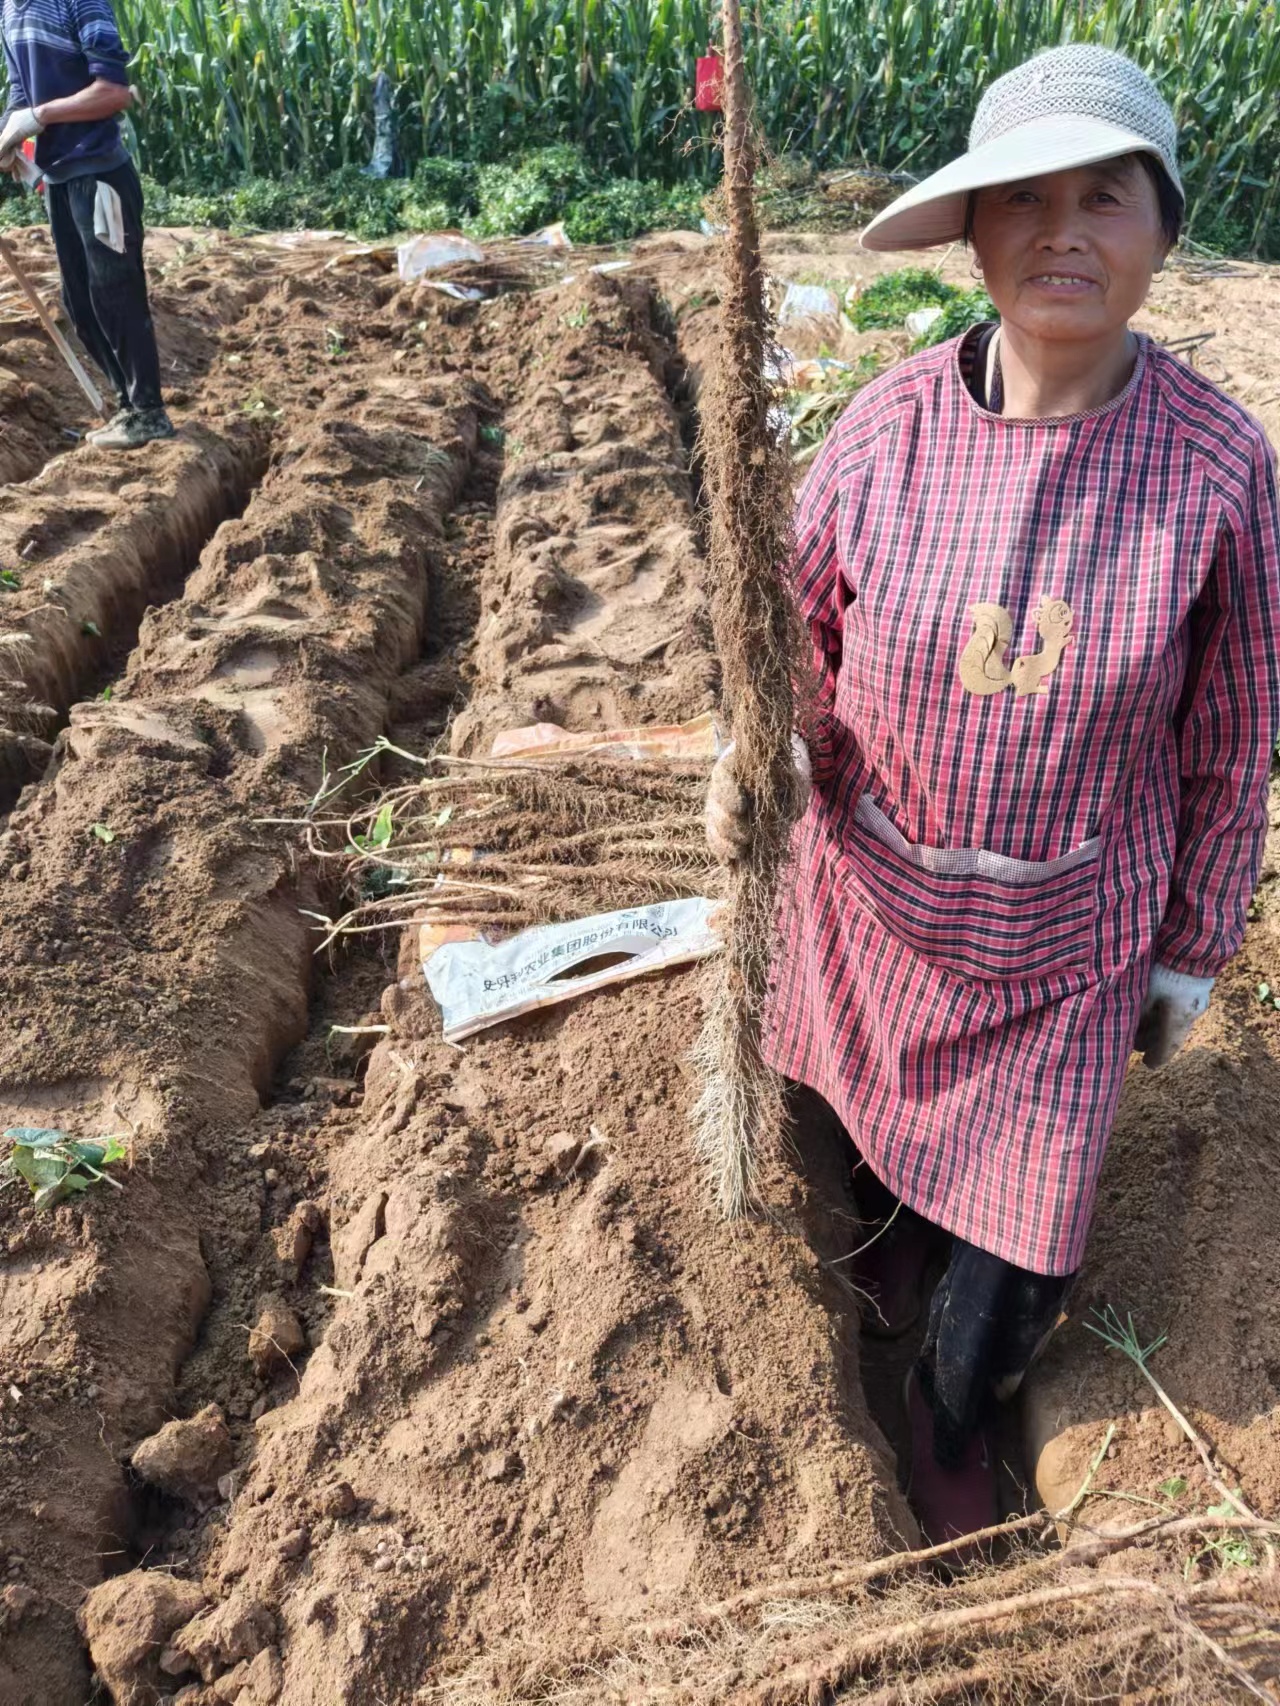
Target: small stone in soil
(338, 1501)
(276, 1339)
(501, 1465)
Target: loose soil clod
(186, 1458)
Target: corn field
(237, 87)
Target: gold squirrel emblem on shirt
(982, 665)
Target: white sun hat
(1067, 107)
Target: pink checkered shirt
(983, 879)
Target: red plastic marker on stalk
(708, 92)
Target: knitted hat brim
(932, 211)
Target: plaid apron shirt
(1049, 698)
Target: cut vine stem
(1123, 1337)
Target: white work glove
(20, 125)
(108, 218)
(729, 813)
(1174, 1001)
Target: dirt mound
(592, 615)
(558, 1391)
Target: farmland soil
(490, 1379)
(552, 1390)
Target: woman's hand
(730, 815)
(1174, 1001)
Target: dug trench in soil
(554, 1390)
(96, 538)
(43, 411)
(93, 537)
(155, 980)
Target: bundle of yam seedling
(1147, 1611)
(506, 843)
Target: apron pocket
(974, 912)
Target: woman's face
(1070, 256)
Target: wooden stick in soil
(46, 319)
(758, 637)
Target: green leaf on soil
(104, 833)
(380, 835)
(382, 827)
(1173, 1488)
(56, 1165)
(10, 580)
(491, 435)
(105, 695)
(1226, 1508)
(444, 817)
(91, 629)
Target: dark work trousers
(988, 1321)
(106, 293)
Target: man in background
(67, 89)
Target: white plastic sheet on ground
(434, 250)
(550, 237)
(478, 984)
(920, 319)
(807, 302)
(459, 292)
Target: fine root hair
(761, 645)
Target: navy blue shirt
(55, 48)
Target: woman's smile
(1061, 284)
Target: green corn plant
(235, 88)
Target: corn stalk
(239, 87)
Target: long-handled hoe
(31, 177)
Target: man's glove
(1173, 1003)
(729, 813)
(19, 126)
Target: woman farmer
(1041, 568)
